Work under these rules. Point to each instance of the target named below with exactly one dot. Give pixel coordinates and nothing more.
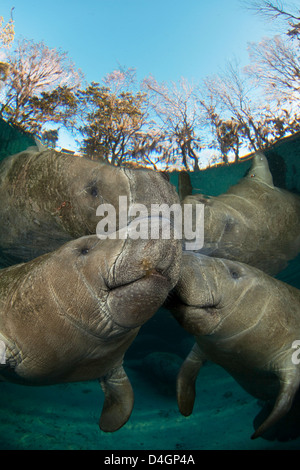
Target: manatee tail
(118, 401)
(288, 389)
(186, 380)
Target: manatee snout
(139, 288)
(194, 292)
(131, 275)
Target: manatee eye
(234, 274)
(229, 224)
(92, 188)
(94, 191)
(84, 251)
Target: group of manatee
(71, 304)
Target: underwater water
(66, 416)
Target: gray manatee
(247, 322)
(48, 198)
(253, 222)
(70, 315)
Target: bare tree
(275, 10)
(228, 101)
(275, 65)
(38, 80)
(223, 132)
(177, 116)
(240, 112)
(121, 80)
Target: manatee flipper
(186, 380)
(287, 428)
(289, 385)
(118, 401)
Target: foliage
(170, 125)
(50, 138)
(39, 88)
(7, 32)
(58, 106)
(112, 123)
(7, 35)
(121, 121)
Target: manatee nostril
(94, 191)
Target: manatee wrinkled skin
(70, 315)
(48, 198)
(253, 222)
(245, 321)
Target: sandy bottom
(66, 416)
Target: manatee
(247, 322)
(253, 222)
(70, 315)
(49, 198)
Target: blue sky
(168, 38)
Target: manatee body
(253, 222)
(247, 322)
(48, 198)
(70, 315)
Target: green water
(66, 416)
